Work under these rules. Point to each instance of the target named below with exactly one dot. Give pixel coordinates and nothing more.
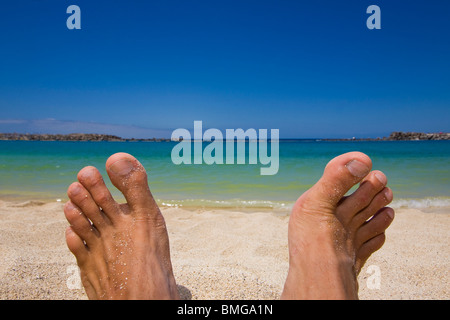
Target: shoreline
(427, 203)
(222, 254)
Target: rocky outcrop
(402, 136)
(396, 136)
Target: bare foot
(332, 236)
(122, 249)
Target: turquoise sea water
(418, 171)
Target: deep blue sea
(418, 171)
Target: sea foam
(431, 202)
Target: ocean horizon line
(97, 137)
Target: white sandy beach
(224, 254)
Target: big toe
(129, 176)
(340, 175)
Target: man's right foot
(331, 236)
(122, 249)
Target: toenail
(381, 177)
(388, 195)
(86, 172)
(357, 168)
(390, 213)
(121, 167)
(75, 189)
(69, 205)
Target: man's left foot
(331, 236)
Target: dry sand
(223, 254)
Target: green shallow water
(418, 171)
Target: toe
(366, 250)
(374, 227)
(340, 175)
(81, 198)
(80, 224)
(129, 176)
(93, 181)
(362, 197)
(382, 199)
(76, 245)
(371, 237)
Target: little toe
(367, 249)
(76, 244)
(129, 176)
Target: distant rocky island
(394, 136)
(69, 137)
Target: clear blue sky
(143, 68)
